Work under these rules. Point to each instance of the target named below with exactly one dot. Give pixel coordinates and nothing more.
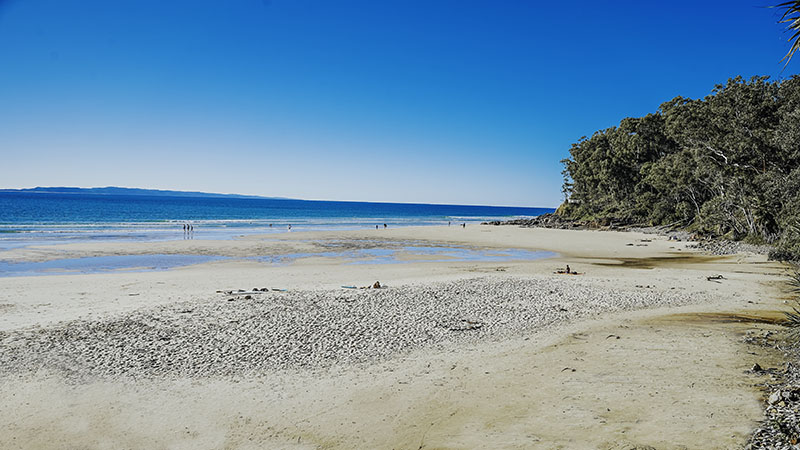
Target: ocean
(34, 218)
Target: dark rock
(551, 220)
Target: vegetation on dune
(726, 165)
(793, 317)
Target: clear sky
(466, 102)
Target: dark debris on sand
(780, 428)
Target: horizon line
(251, 196)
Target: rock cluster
(551, 220)
(781, 427)
(308, 329)
(548, 220)
(727, 247)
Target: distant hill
(111, 190)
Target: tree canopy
(726, 165)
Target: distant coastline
(113, 190)
(124, 191)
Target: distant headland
(112, 190)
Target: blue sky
(465, 102)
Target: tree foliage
(791, 16)
(726, 165)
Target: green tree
(727, 165)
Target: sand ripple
(310, 329)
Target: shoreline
(239, 245)
(253, 245)
(664, 368)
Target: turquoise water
(48, 218)
(102, 264)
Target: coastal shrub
(794, 282)
(790, 253)
(788, 247)
(726, 165)
(793, 317)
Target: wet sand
(450, 354)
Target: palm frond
(794, 282)
(793, 316)
(791, 16)
(793, 322)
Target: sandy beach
(641, 350)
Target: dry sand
(665, 374)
